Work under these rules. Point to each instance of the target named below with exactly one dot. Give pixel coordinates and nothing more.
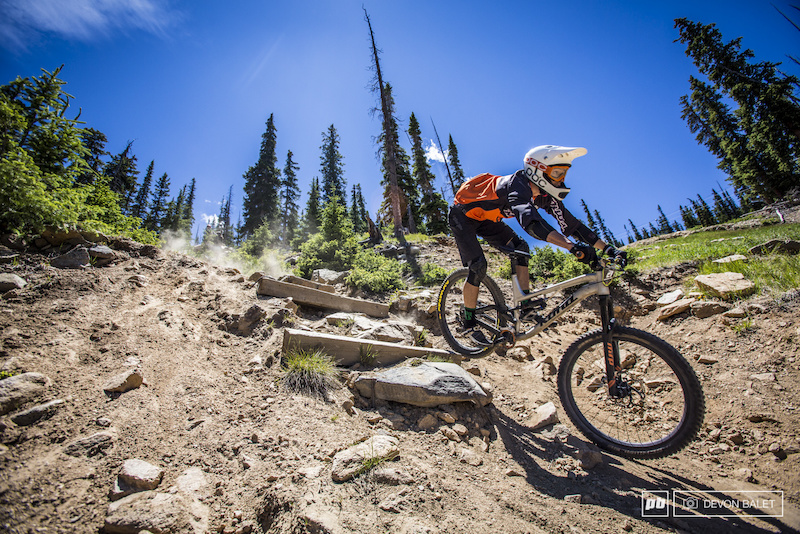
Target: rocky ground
(222, 447)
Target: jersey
(488, 197)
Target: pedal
(505, 339)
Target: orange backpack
(481, 191)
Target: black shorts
(466, 232)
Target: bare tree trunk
(389, 143)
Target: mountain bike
(628, 391)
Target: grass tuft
(311, 373)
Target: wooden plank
(320, 299)
(349, 351)
(291, 279)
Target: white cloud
(24, 20)
(434, 154)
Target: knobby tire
(450, 306)
(657, 422)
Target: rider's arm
(570, 225)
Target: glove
(620, 257)
(585, 254)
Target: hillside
(239, 454)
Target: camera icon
(691, 503)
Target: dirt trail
(211, 400)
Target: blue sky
(192, 83)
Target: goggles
(557, 173)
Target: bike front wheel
(661, 410)
(450, 313)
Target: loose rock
(352, 461)
(74, 259)
(19, 389)
(9, 281)
(675, 308)
(545, 415)
(37, 413)
(725, 285)
(124, 381)
(91, 445)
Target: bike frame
(596, 283)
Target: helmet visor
(557, 173)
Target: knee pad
(477, 271)
(520, 244)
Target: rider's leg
(465, 232)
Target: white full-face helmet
(546, 166)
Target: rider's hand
(620, 257)
(585, 254)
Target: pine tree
(158, 205)
(290, 193)
(452, 156)
(662, 223)
(389, 143)
(187, 217)
(311, 219)
(94, 141)
(122, 173)
(635, 230)
(608, 237)
(173, 213)
(433, 211)
(356, 210)
(689, 219)
(332, 167)
(722, 211)
(757, 143)
(589, 219)
(407, 193)
(734, 209)
(139, 207)
(225, 230)
(262, 184)
(703, 212)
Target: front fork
(616, 388)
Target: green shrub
(374, 272)
(310, 373)
(432, 274)
(317, 253)
(550, 265)
(335, 247)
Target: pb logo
(655, 504)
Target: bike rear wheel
(450, 313)
(663, 411)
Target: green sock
(469, 317)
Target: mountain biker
(482, 202)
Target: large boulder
(74, 259)
(425, 384)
